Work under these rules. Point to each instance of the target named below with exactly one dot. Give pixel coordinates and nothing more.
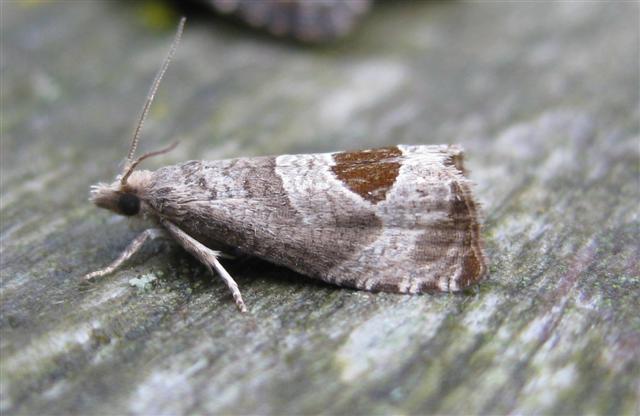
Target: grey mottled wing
(398, 219)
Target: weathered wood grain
(544, 97)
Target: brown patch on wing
(368, 173)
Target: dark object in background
(305, 20)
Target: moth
(398, 219)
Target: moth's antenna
(136, 162)
(150, 97)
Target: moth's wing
(317, 20)
(398, 219)
(414, 225)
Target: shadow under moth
(398, 219)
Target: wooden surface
(543, 96)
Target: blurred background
(544, 96)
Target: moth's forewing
(399, 219)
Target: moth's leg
(208, 257)
(133, 248)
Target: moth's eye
(129, 204)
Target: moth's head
(125, 199)
(125, 196)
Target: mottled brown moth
(398, 219)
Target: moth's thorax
(124, 199)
